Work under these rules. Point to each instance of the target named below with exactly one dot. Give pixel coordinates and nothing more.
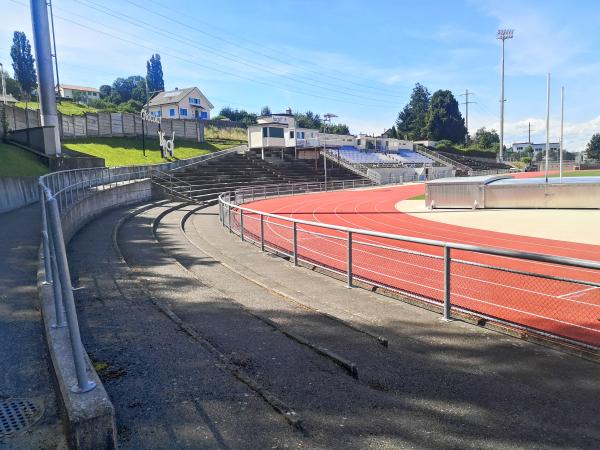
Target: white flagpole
(547, 125)
(562, 117)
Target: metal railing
(60, 192)
(441, 158)
(551, 296)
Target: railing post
(262, 233)
(349, 270)
(84, 384)
(47, 270)
(295, 244)
(447, 304)
(242, 224)
(229, 217)
(60, 320)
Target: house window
(291, 135)
(265, 132)
(204, 115)
(158, 113)
(358, 142)
(183, 112)
(194, 101)
(171, 112)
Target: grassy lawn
(17, 162)
(65, 107)
(580, 173)
(128, 151)
(418, 197)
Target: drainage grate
(18, 414)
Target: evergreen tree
(592, 151)
(154, 74)
(412, 119)
(25, 74)
(444, 120)
(105, 91)
(265, 111)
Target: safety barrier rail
(551, 296)
(59, 193)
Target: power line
(467, 103)
(211, 68)
(238, 44)
(217, 52)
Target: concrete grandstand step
(168, 391)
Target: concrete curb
(88, 418)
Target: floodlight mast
(326, 119)
(502, 35)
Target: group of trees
(131, 93)
(303, 120)
(434, 117)
(592, 150)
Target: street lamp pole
(3, 85)
(502, 35)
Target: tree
(79, 97)
(25, 74)
(444, 120)
(238, 115)
(484, 139)
(105, 91)
(12, 86)
(592, 151)
(308, 120)
(122, 89)
(411, 120)
(336, 128)
(265, 111)
(154, 74)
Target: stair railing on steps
(442, 159)
(173, 184)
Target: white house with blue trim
(188, 103)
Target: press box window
(275, 132)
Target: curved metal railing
(337, 247)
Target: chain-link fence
(548, 295)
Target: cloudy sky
(357, 59)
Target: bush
(236, 134)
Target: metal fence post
(229, 217)
(47, 269)
(447, 304)
(242, 224)
(84, 384)
(60, 320)
(349, 270)
(295, 244)
(262, 233)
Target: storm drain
(18, 414)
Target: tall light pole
(326, 120)
(43, 53)
(502, 35)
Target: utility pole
(43, 53)
(3, 85)
(466, 103)
(502, 35)
(529, 134)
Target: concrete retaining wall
(16, 192)
(89, 418)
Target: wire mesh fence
(552, 296)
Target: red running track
(566, 309)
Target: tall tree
(25, 74)
(265, 111)
(444, 120)
(308, 120)
(105, 91)
(592, 151)
(484, 139)
(411, 120)
(154, 74)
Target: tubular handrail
(231, 206)
(538, 257)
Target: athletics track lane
(571, 310)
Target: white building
(188, 103)
(522, 146)
(69, 91)
(382, 143)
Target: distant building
(188, 103)
(69, 91)
(9, 100)
(522, 146)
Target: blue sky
(357, 59)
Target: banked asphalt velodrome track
(567, 309)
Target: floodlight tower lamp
(502, 35)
